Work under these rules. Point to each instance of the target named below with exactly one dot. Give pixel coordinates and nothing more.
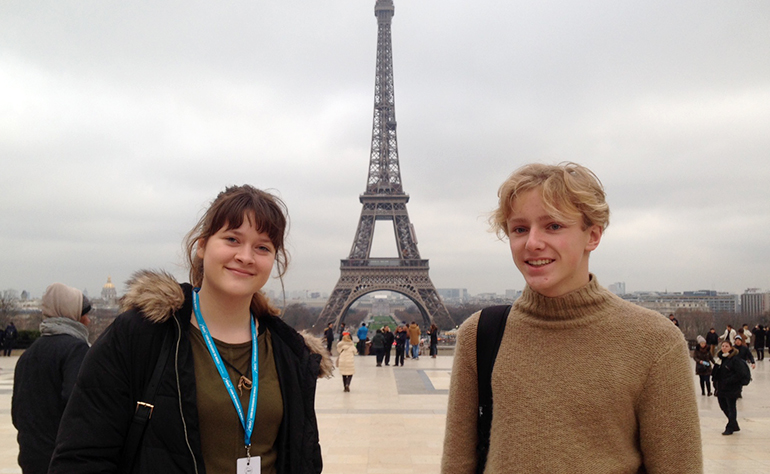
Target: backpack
(745, 375)
(488, 336)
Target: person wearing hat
(346, 360)
(45, 375)
(744, 352)
(704, 364)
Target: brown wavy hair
(265, 211)
(570, 191)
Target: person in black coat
(389, 338)
(712, 339)
(45, 375)
(401, 339)
(759, 341)
(728, 377)
(433, 333)
(744, 352)
(329, 336)
(217, 332)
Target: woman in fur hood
(202, 377)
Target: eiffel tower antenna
(384, 200)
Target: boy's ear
(594, 237)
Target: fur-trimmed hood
(157, 295)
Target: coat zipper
(179, 393)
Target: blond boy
(584, 382)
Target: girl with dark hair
(231, 363)
(728, 378)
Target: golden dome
(109, 283)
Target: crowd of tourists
(726, 365)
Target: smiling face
(550, 253)
(236, 262)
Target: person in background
(346, 360)
(712, 339)
(402, 339)
(414, 340)
(45, 375)
(378, 345)
(746, 335)
(729, 335)
(9, 339)
(329, 336)
(406, 347)
(744, 352)
(728, 376)
(597, 408)
(363, 333)
(759, 341)
(232, 363)
(433, 333)
(389, 338)
(673, 320)
(704, 364)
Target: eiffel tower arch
(384, 200)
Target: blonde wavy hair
(570, 192)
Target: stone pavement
(392, 421)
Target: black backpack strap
(145, 406)
(488, 336)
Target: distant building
(453, 295)
(618, 288)
(109, 293)
(755, 302)
(512, 295)
(702, 300)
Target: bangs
(265, 218)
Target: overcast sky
(120, 122)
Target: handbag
(144, 408)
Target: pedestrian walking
(704, 364)
(729, 377)
(346, 360)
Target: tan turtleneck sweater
(583, 383)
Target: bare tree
(9, 300)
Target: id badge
(251, 465)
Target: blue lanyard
(248, 424)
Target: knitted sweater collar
(582, 306)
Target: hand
(753, 366)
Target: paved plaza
(392, 421)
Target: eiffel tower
(384, 200)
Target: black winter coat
(44, 377)
(120, 363)
(389, 338)
(727, 376)
(702, 355)
(759, 338)
(401, 339)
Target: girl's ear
(200, 248)
(594, 237)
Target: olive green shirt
(222, 435)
